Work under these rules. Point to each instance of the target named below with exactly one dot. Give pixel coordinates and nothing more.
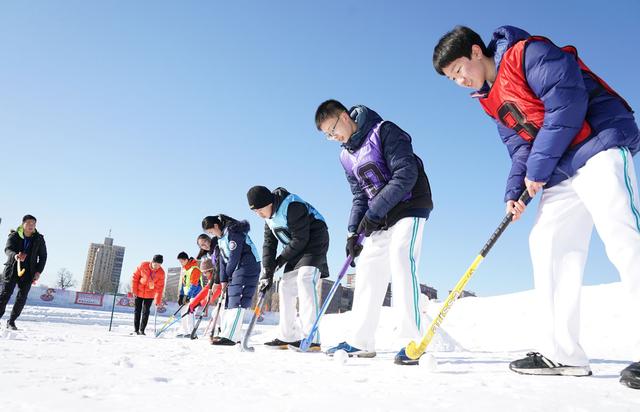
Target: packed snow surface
(64, 359)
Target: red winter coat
(147, 283)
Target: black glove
(280, 262)
(180, 300)
(266, 280)
(368, 226)
(353, 248)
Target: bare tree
(64, 279)
(125, 288)
(102, 285)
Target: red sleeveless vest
(513, 103)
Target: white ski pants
(302, 284)
(231, 323)
(388, 254)
(187, 321)
(603, 193)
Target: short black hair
(157, 259)
(183, 255)
(28, 217)
(455, 44)
(327, 109)
(209, 221)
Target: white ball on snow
(341, 357)
(429, 362)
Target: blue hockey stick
(306, 342)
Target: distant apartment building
(103, 268)
(171, 284)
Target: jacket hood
(503, 38)
(366, 119)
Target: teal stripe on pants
(627, 182)
(414, 280)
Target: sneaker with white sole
(351, 351)
(630, 376)
(536, 364)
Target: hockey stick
(155, 316)
(194, 332)
(155, 320)
(214, 320)
(20, 270)
(167, 327)
(256, 314)
(413, 350)
(170, 320)
(244, 347)
(306, 342)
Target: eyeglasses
(332, 134)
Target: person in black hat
(26, 256)
(147, 285)
(303, 233)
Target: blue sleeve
(402, 163)
(234, 255)
(194, 290)
(223, 271)
(359, 205)
(519, 150)
(555, 78)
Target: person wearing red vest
(571, 137)
(147, 285)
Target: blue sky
(143, 117)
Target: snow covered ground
(65, 360)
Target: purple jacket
(569, 97)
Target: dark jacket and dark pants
(36, 250)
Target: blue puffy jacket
(569, 96)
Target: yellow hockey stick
(414, 350)
(20, 270)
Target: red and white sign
(89, 299)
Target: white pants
(187, 321)
(231, 324)
(303, 285)
(395, 254)
(603, 192)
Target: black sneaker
(142, 333)
(630, 376)
(11, 325)
(223, 342)
(138, 332)
(536, 364)
(313, 347)
(279, 344)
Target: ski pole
(306, 342)
(415, 351)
